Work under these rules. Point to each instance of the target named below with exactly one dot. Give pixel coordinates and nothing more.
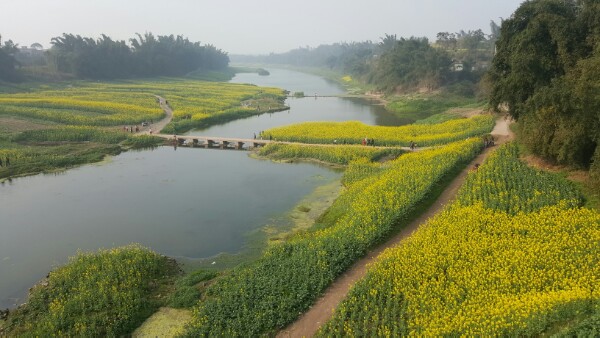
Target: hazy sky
(247, 26)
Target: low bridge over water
(215, 142)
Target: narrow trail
(310, 322)
(158, 125)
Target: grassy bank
(58, 148)
(107, 293)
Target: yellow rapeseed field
(354, 132)
(478, 270)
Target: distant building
(457, 66)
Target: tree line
(546, 72)
(104, 58)
(397, 63)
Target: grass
(423, 106)
(438, 118)
(50, 158)
(189, 288)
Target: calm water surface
(188, 202)
(303, 109)
(183, 203)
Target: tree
(495, 30)
(37, 46)
(537, 44)
(446, 40)
(8, 63)
(409, 64)
(148, 55)
(546, 70)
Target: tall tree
(536, 45)
(546, 73)
(148, 55)
(8, 63)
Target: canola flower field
(88, 105)
(354, 132)
(134, 102)
(503, 260)
(198, 105)
(108, 293)
(266, 295)
(333, 154)
(496, 187)
(86, 118)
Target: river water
(189, 203)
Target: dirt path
(159, 125)
(308, 324)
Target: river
(190, 203)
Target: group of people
(131, 129)
(413, 145)
(6, 162)
(262, 136)
(488, 141)
(368, 141)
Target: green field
(52, 127)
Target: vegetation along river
(190, 203)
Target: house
(457, 66)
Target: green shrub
(188, 288)
(108, 293)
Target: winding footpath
(310, 322)
(159, 125)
